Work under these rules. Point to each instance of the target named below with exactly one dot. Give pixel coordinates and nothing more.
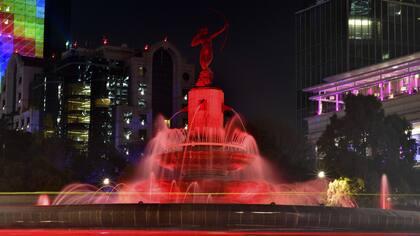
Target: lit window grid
(21, 29)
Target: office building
(16, 104)
(335, 36)
(112, 95)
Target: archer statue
(206, 53)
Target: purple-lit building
(395, 82)
(335, 36)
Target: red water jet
(384, 199)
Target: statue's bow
(226, 24)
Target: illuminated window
(127, 134)
(102, 102)
(142, 89)
(185, 94)
(79, 89)
(127, 117)
(142, 135)
(142, 71)
(143, 119)
(336, 142)
(78, 105)
(77, 119)
(78, 135)
(360, 28)
(142, 103)
(59, 91)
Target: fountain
(207, 163)
(212, 161)
(384, 199)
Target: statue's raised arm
(197, 39)
(215, 34)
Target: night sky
(256, 66)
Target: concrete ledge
(209, 217)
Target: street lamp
(106, 181)
(321, 174)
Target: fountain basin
(214, 217)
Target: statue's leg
(206, 75)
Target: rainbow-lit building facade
(21, 29)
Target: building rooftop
(32, 61)
(115, 52)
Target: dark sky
(256, 67)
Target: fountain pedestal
(206, 152)
(205, 108)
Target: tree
(28, 162)
(340, 192)
(31, 162)
(365, 143)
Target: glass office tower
(89, 87)
(340, 35)
(21, 29)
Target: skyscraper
(21, 29)
(336, 36)
(111, 95)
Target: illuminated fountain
(206, 179)
(207, 163)
(385, 201)
(212, 161)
